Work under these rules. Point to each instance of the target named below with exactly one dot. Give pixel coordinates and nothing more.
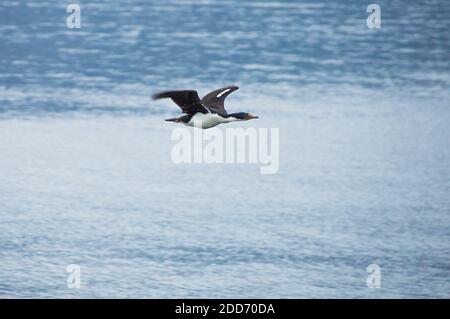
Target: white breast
(206, 120)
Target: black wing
(187, 100)
(216, 99)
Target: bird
(207, 112)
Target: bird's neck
(232, 117)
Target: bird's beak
(251, 116)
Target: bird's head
(242, 116)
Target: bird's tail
(176, 120)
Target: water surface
(86, 176)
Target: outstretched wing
(215, 101)
(187, 100)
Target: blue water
(86, 176)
